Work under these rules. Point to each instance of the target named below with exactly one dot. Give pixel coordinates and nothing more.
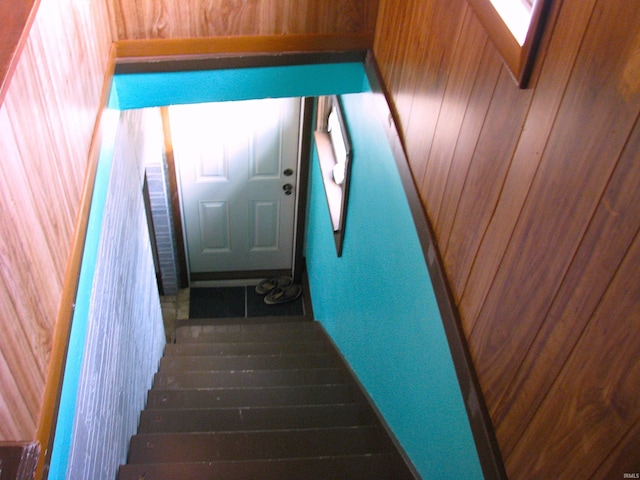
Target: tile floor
(174, 307)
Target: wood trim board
(138, 51)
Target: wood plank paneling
(148, 19)
(485, 178)
(428, 55)
(611, 230)
(46, 124)
(536, 219)
(549, 91)
(571, 178)
(623, 457)
(466, 143)
(595, 399)
(454, 104)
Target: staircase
(261, 401)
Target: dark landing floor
(237, 302)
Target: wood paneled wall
(150, 19)
(46, 125)
(534, 198)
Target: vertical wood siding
(46, 124)
(125, 334)
(147, 19)
(533, 196)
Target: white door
(237, 166)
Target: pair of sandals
(278, 290)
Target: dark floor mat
(230, 302)
(217, 302)
(257, 308)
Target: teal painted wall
(377, 303)
(160, 89)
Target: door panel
(214, 227)
(264, 217)
(231, 158)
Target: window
(335, 155)
(515, 27)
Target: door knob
(287, 187)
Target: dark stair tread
(261, 396)
(190, 322)
(240, 403)
(253, 332)
(243, 348)
(352, 467)
(254, 418)
(257, 445)
(249, 378)
(246, 362)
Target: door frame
(302, 179)
(176, 63)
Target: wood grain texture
(46, 120)
(553, 76)
(594, 401)
(203, 48)
(623, 457)
(533, 199)
(436, 50)
(463, 73)
(601, 250)
(570, 180)
(147, 19)
(466, 142)
(485, 178)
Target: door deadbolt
(288, 172)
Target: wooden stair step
(352, 467)
(259, 401)
(246, 362)
(303, 331)
(244, 320)
(256, 445)
(261, 396)
(249, 378)
(253, 418)
(237, 348)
